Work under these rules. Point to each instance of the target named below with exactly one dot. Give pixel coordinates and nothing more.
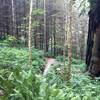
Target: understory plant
(18, 81)
(80, 87)
(12, 57)
(21, 84)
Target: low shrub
(21, 84)
(12, 57)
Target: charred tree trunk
(94, 67)
(93, 42)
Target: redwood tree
(93, 42)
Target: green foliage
(49, 54)
(10, 41)
(75, 62)
(12, 57)
(21, 84)
(35, 24)
(38, 12)
(80, 87)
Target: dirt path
(50, 61)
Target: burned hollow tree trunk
(93, 42)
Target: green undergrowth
(18, 81)
(26, 85)
(19, 84)
(80, 87)
(76, 63)
(12, 57)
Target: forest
(49, 50)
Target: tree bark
(94, 67)
(29, 34)
(13, 19)
(69, 40)
(93, 42)
(45, 30)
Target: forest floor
(50, 61)
(16, 78)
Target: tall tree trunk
(82, 41)
(69, 40)
(93, 42)
(13, 18)
(65, 34)
(45, 34)
(30, 34)
(54, 35)
(94, 67)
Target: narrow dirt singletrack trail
(50, 61)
